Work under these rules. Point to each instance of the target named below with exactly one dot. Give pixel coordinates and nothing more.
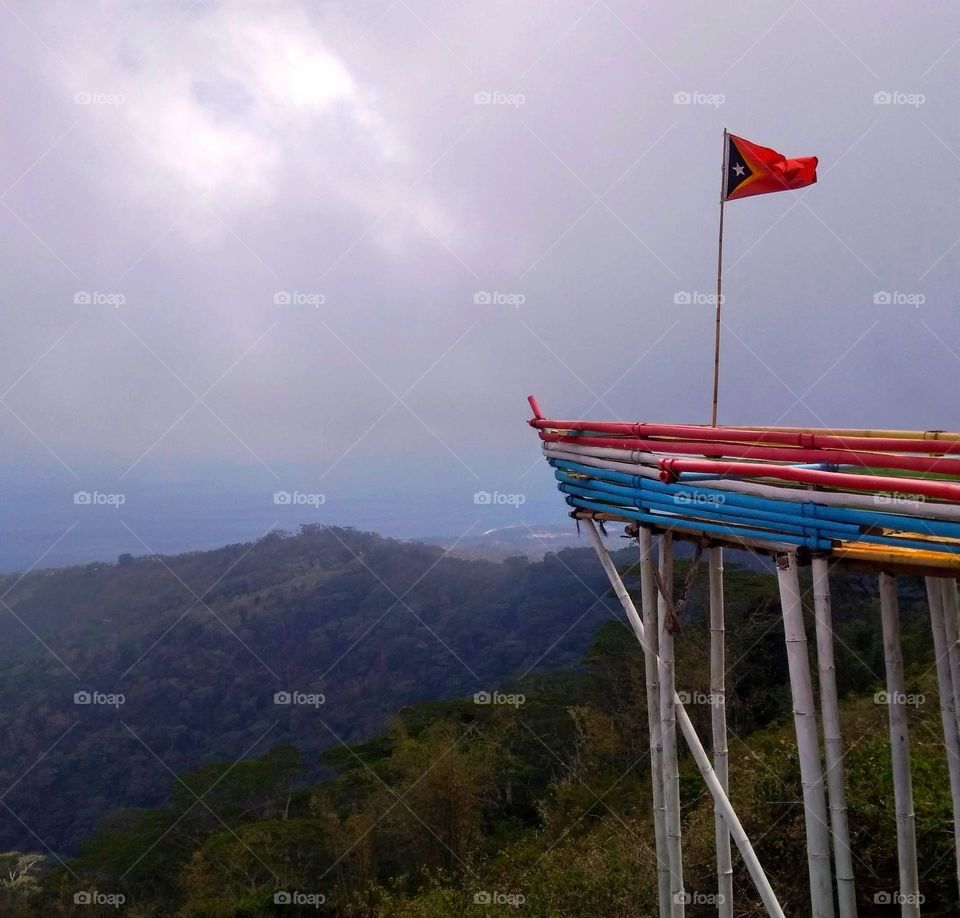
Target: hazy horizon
(330, 248)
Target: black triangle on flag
(737, 169)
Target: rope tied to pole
(675, 609)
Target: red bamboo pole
(746, 434)
(769, 453)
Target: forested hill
(198, 645)
(537, 805)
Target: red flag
(752, 169)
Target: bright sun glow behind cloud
(234, 106)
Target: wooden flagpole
(716, 334)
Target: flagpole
(716, 334)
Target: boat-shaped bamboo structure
(885, 501)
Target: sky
(282, 262)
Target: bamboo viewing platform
(883, 501)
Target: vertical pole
(948, 590)
(718, 712)
(808, 742)
(716, 332)
(830, 712)
(951, 738)
(648, 594)
(909, 891)
(750, 860)
(668, 721)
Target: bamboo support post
(718, 711)
(808, 743)
(648, 594)
(909, 892)
(833, 744)
(668, 727)
(737, 832)
(948, 590)
(951, 739)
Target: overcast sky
(246, 247)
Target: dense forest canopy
(531, 795)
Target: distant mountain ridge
(175, 661)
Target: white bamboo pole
(648, 595)
(718, 712)
(833, 744)
(808, 742)
(899, 749)
(668, 727)
(740, 837)
(951, 739)
(948, 589)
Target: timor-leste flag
(752, 169)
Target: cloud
(234, 105)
